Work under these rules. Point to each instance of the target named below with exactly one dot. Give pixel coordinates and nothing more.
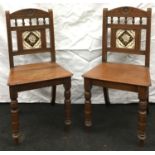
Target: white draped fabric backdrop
(78, 37)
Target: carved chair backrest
(128, 31)
(30, 31)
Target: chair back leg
(106, 96)
(53, 93)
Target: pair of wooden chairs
(33, 31)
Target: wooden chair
(126, 26)
(33, 32)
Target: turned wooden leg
(88, 106)
(142, 114)
(53, 95)
(106, 96)
(67, 94)
(14, 117)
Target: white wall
(78, 29)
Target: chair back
(30, 31)
(126, 30)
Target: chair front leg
(53, 93)
(14, 116)
(88, 106)
(67, 106)
(142, 114)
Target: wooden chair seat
(31, 73)
(120, 73)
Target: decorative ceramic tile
(125, 39)
(31, 39)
